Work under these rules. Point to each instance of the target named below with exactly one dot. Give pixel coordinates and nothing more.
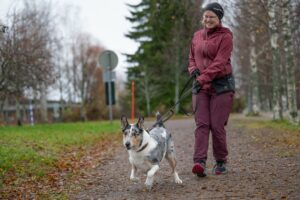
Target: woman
(213, 89)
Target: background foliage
(164, 30)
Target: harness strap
(171, 111)
(143, 147)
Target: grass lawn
(34, 151)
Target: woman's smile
(210, 19)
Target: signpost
(109, 60)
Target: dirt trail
(254, 172)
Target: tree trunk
(61, 92)
(254, 107)
(177, 82)
(249, 99)
(277, 106)
(1, 112)
(83, 115)
(43, 101)
(290, 69)
(83, 91)
(18, 112)
(5, 114)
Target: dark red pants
(212, 113)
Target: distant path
(254, 172)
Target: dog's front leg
(133, 173)
(150, 176)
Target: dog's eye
(134, 134)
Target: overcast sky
(104, 19)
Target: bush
(71, 114)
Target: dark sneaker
(199, 169)
(220, 168)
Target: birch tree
(254, 83)
(264, 22)
(250, 44)
(85, 53)
(254, 102)
(289, 61)
(274, 36)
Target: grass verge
(273, 134)
(37, 158)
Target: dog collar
(143, 147)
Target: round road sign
(108, 59)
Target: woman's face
(210, 19)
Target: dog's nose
(127, 144)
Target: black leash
(184, 93)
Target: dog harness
(143, 147)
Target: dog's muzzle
(127, 144)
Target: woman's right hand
(196, 87)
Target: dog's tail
(159, 121)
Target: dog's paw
(134, 179)
(178, 180)
(148, 187)
(149, 183)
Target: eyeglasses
(209, 17)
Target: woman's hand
(196, 87)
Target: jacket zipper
(205, 50)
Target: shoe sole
(219, 173)
(198, 170)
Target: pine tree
(164, 30)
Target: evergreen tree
(164, 30)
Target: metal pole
(132, 101)
(109, 90)
(31, 113)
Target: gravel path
(254, 172)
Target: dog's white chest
(140, 161)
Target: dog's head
(132, 133)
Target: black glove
(196, 87)
(195, 73)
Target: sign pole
(109, 90)
(109, 60)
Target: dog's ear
(140, 123)
(124, 122)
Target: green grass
(278, 125)
(284, 125)
(35, 149)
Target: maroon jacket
(210, 52)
